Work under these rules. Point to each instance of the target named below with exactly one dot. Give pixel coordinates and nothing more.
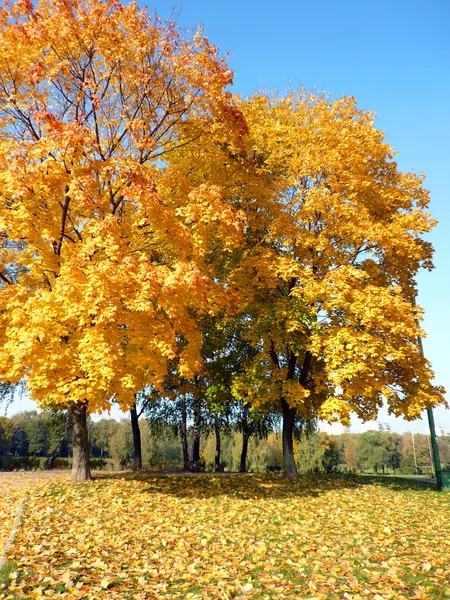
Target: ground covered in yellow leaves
(14, 488)
(220, 537)
(11, 499)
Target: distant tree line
(224, 441)
(45, 435)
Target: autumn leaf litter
(232, 537)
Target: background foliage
(27, 438)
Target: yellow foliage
(138, 196)
(333, 244)
(104, 253)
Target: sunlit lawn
(220, 537)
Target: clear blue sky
(394, 57)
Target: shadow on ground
(207, 485)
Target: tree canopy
(330, 268)
(103, 243)
(139, 199)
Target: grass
(7, 572)
(207, 537)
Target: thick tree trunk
(183, 431)
(50, 463)
(196, 442)
(243, 465)
(137, 447)
(217, 468)
(80, 461)
(289, 467)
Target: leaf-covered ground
(14, 488)
(219, 537)
(11, 498)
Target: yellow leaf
(66, 577)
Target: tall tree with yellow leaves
(103, 243)
(334, 239)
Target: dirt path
(14, 489)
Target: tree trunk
(217, 468)
(80, 461)
(245, 438)
(183, 431)
(289, 467)
(137, 447)
(196, 442)
(50, 463)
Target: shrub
(20, 463)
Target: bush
(63, 463)
(33, 463)
(98, 464)
(20, 463)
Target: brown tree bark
(137, 446)
(183, 431)
(217, 467)
(245, 438)
(289, 466)
(80, 461)
(243, 464)
(196, 441)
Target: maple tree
(334, 239)
(103, 242)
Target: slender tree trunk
(196, 442)
(80, 461)
(50, 463)
(289, 467)
(245, 438)
(217, 468)
(137, 447)
(183, 430)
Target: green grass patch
(5, 574)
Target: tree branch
(273, 354)
(65, 208)
(305, 368)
